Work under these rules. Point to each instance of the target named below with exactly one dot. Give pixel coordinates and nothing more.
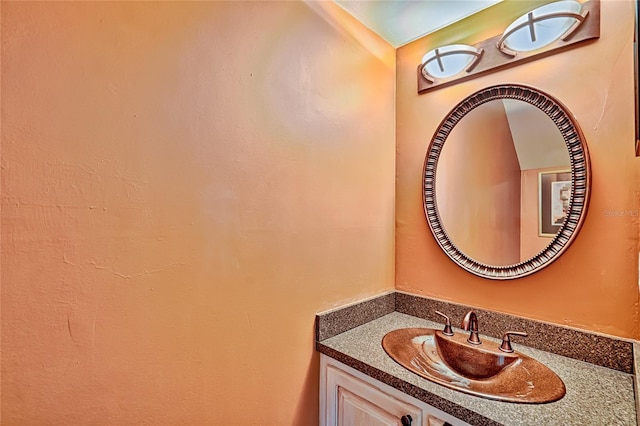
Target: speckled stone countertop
(595, 395)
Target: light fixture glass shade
(449, 60)
(541, 26)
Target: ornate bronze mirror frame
(579, 169)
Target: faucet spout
(470, 323)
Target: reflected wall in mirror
(489, 207)
(506, 181)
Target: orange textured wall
(594, 284)
(184, 186)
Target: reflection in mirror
(487, 181)
(506, 181)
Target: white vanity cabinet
(350, 398)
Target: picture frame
(554, 193)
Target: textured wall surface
(184, 186)
(594, 284)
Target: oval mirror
(506, 181)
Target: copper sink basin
(481, 370)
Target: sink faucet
(470, 323)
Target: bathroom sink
(482, 370)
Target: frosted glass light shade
(541, 26)
(449, 60)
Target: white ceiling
(402, 21)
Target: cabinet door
(354, 402)
(351, 398)
(353, 409)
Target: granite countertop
(595, 395)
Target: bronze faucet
(470, 323)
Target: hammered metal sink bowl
(481, 370)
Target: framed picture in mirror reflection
(554, 195)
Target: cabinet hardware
(406, 420)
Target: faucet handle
(506, 342)
(447, 331)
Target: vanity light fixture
(543, 31)
(446, 61)
(542, 26)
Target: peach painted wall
(484, 195)
(594, 284)
(184, 186)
